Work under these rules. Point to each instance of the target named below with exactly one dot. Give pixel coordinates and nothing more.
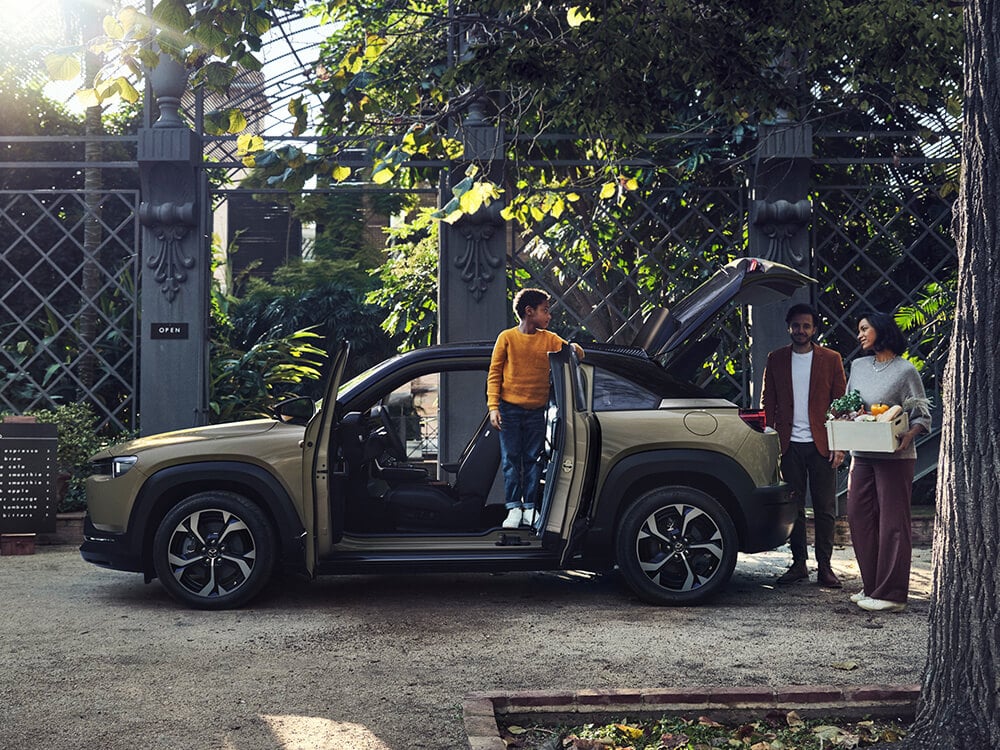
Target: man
(800, 381)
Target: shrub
(78, 441)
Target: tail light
(757, 419)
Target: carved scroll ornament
(780, 221)
(170, 223)
(477, 261)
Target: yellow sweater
(519, 368)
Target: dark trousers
(878, 510)
(804, 467)
(522, 436)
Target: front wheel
(214, 550)
(676, 545)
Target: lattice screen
(67, 302)
(606, 269)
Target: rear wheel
(676, 545)
(214, 550)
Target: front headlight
(120, 465)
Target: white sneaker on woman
(513, 519)
(529, 517)
(881, 605)
(858, 596)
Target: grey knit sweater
(898, 383)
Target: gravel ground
(96, 659)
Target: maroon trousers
(878, 511)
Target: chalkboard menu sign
(27, 477)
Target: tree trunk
(92, 236)
(92, 229)
(958, 705)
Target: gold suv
(642, 471)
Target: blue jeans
(522, 433)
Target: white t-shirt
(801, 370)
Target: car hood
(747, 281)
(194, 434)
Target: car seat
(456, 506)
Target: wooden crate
(877, 437)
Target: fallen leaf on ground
(836, 736)
(582, 743)
(674, 741)
(793, 719)
(633, 732)
(848, 665)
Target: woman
(880, 484)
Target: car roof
(629, 362)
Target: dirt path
(96, 659)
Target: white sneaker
(529, 517)
(881, 605)
(858, 596)
(513, 519)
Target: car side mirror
(295, 410)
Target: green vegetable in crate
(846, 404)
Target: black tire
(214, 550)
(676, 545)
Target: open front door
(569, 478)
(321, 452)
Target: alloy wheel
(679, 547)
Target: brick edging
(480, 710)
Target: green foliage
(252, 370)
(933, 313)
(17, 385)
(270, 341)
(27, 111)
(931, 318)
(618, 71)
(343, 221)
(79, 439)
(246, 383)
(332, 311)
(409, 287)
(849, 402)
(411, 73)
(776, 731)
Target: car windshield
(345, 388)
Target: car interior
(396, 482)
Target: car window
(614, 393)
(413, 407)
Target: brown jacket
(827, 381)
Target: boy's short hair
(802, 309)
(529, 297)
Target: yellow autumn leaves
(128, 25)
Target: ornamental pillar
(472, 281)
(780, 212)
(174, 253)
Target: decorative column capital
(477, 260)
(170, 224)
(780, 221)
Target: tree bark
(92, 230)
(959, 700)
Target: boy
(517, 392)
